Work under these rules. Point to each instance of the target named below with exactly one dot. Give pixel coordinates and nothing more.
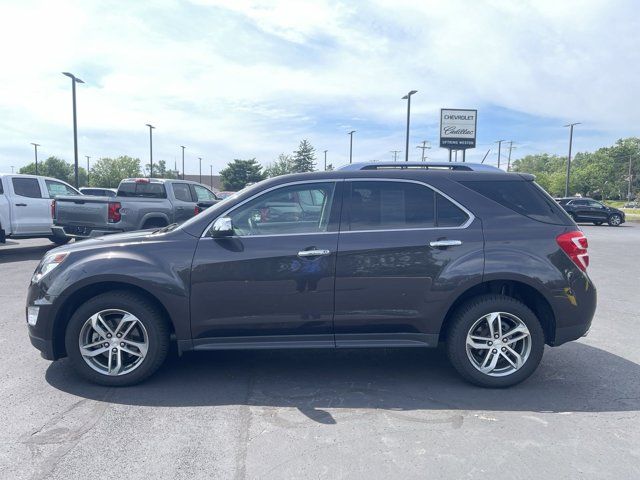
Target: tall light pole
(35, 146)
(325, 160)
(499, 142)
(629, 191)
(351, 145)
(74, 80)
(395, 154)
(566, 183)
(424, 147)
(211, 176)
(88, 157)
(182, 147)
(407, 97)
(200, 162)
(151, 127)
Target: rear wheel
(117, 339)
(615, 220)
(597, 223)
(495, 341)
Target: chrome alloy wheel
(498, 344)
(113, 342)
(615, 220)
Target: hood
(107, 241)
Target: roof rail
(456, 166)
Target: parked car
(140, 203)
(99, 192)
(583, 209)
(25, 205)
(485, 262)
(632, 205)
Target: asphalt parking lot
(332, 414)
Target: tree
(160, 170)
(56, 168)
(304, 159)
(239, 173)
(108, 172)
(282, 166)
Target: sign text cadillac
(458, 128)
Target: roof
(458, 166)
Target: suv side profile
(485, 262)
(582, 209)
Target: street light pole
(88, 157)
(182, 147)
(151, 127)
(211, 176)
(629, 191)
(499, 142)
(566, 183)
(74, 80)
(35, 146)
(325, 160)
(407, 97)
(200, 162)
(351, 145)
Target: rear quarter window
(524, 197)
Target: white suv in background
(25, 205)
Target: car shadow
(574, 378)
(21, 254)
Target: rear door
(403, 250)
(598, 211)
(31, 210)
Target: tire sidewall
(611, 223)
(476, 309)
(146, 312)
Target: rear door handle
(21, 204)
(445, 243)
(313, 253)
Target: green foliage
(239, 173)
(304, 159)
(56, 168)
(160, 170)
(282, 166)
(599, 174)
(108, 172)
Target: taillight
(114, 215)
(575, 245)
(196, 210)
(53, 209)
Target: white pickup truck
(25, 206)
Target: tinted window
(283, 211)
(182, 192)
(26, 187)
(58, 188)
(448, 214)
(579, 202)
(595, 204)
(142, 189)
(204, 194)
(390, 205)
(524, 197)
(1, 187)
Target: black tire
(573, 217)
(147, 313)
(465, 317)
(614, 220)
(3, 236)
(154, 223)
(60, 241)
(598, 223)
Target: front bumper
(41, 334)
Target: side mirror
(222, 227)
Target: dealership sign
(458, 128)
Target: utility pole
(407, 97)
(499, 142)
(629, 191)
(509, 159)
(200, 163)
(566, 184)
(325, 160)
(183, 147)
(151, 127)
(395, 154)
(88, 157)
(35, 146)
(351, 145)
(74, 80)
(424, 147)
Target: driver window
(294, 209)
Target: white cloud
(251, 78)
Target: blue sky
(243, 78)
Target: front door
(31, 210)
(403, 250)
(183, 203)
(272, 282)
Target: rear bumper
(72, 231)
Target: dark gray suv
(484, 261)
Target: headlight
(47, 264)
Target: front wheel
(615, 220)
(117, 339)
(495, 341)
(59, 241)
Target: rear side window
(26, 187)
(182, 192)
(142, 189)
(523, 197)
(448, 214)
(58, 188)
(204, 194)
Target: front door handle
(445, 243)
(21, 204)
(313, 253)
